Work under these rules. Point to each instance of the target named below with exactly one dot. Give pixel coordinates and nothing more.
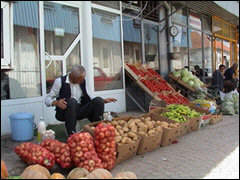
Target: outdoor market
(94, 98)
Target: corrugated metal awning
(211, 9)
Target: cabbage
(185, 79)
(191, 83)
(236, 102)
(177, 74)
(184, 73)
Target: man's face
(78, 79)
(222, 69)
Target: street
(211, 152)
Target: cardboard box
(169, 134)
(193, 124)
(126, 151)
(149, 143)
(184, 128)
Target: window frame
(6, 60)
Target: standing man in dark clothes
(229, 73)
(72, 101)
(218, 78)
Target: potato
(125, 129)
(119, 127)
(141, 133)
(134, 129)
(148, 119)
(114, 123)
(124, 140)
(121, 132)
(159, 129)
(152, 131)
(118, 139)
(131, 124)
(131, 134)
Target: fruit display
(178, 113)
(173, 98)
(83, 151)
(104, 140)
(35, 154)
(60, 150)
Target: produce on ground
(178, 113)
(125, 175)
(60, 150)
(77, 173)
(104, 140)
(35, 154)
(4, 171)
(99, 173)
(35, 172)
(83, 151)
(57, 176)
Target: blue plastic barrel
(22, 126)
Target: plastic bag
(228, 105)
(236, 102)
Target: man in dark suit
(72, 101)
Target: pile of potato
(128, 131)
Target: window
(195, 48)
(24, 81)
(5, 35)
(195, 21)
(180, 17)
(106, 33)
(208, 54)
(111, 4)
(151, 45)
(132, 40)
(61, 24)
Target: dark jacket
(218, 80)
(229, 74)
(65, 92)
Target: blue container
(22, 126)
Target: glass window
(107, 50)
(195, 21)
(132, 40)
(53, 71)
(218, 55)
(226, 53)
(111, 4)
(180, 48)
(151, 45)
(74, 58)
(24, 80)
(208, 54)
(195, 49)
(61, 24)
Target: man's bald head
(77, 74)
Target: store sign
(59, 32)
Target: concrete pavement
(211, 152)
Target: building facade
(42, 40)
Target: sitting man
(72, 101)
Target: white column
(87, 45)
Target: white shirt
(76, 91)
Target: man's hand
(61, 103)
(108, 100)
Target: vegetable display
(35, 154)
(187, 77)
(104, 135)
(83, 151)
(60, 150)
(177, 112)
(157, 85)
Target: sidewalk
(211, 152)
